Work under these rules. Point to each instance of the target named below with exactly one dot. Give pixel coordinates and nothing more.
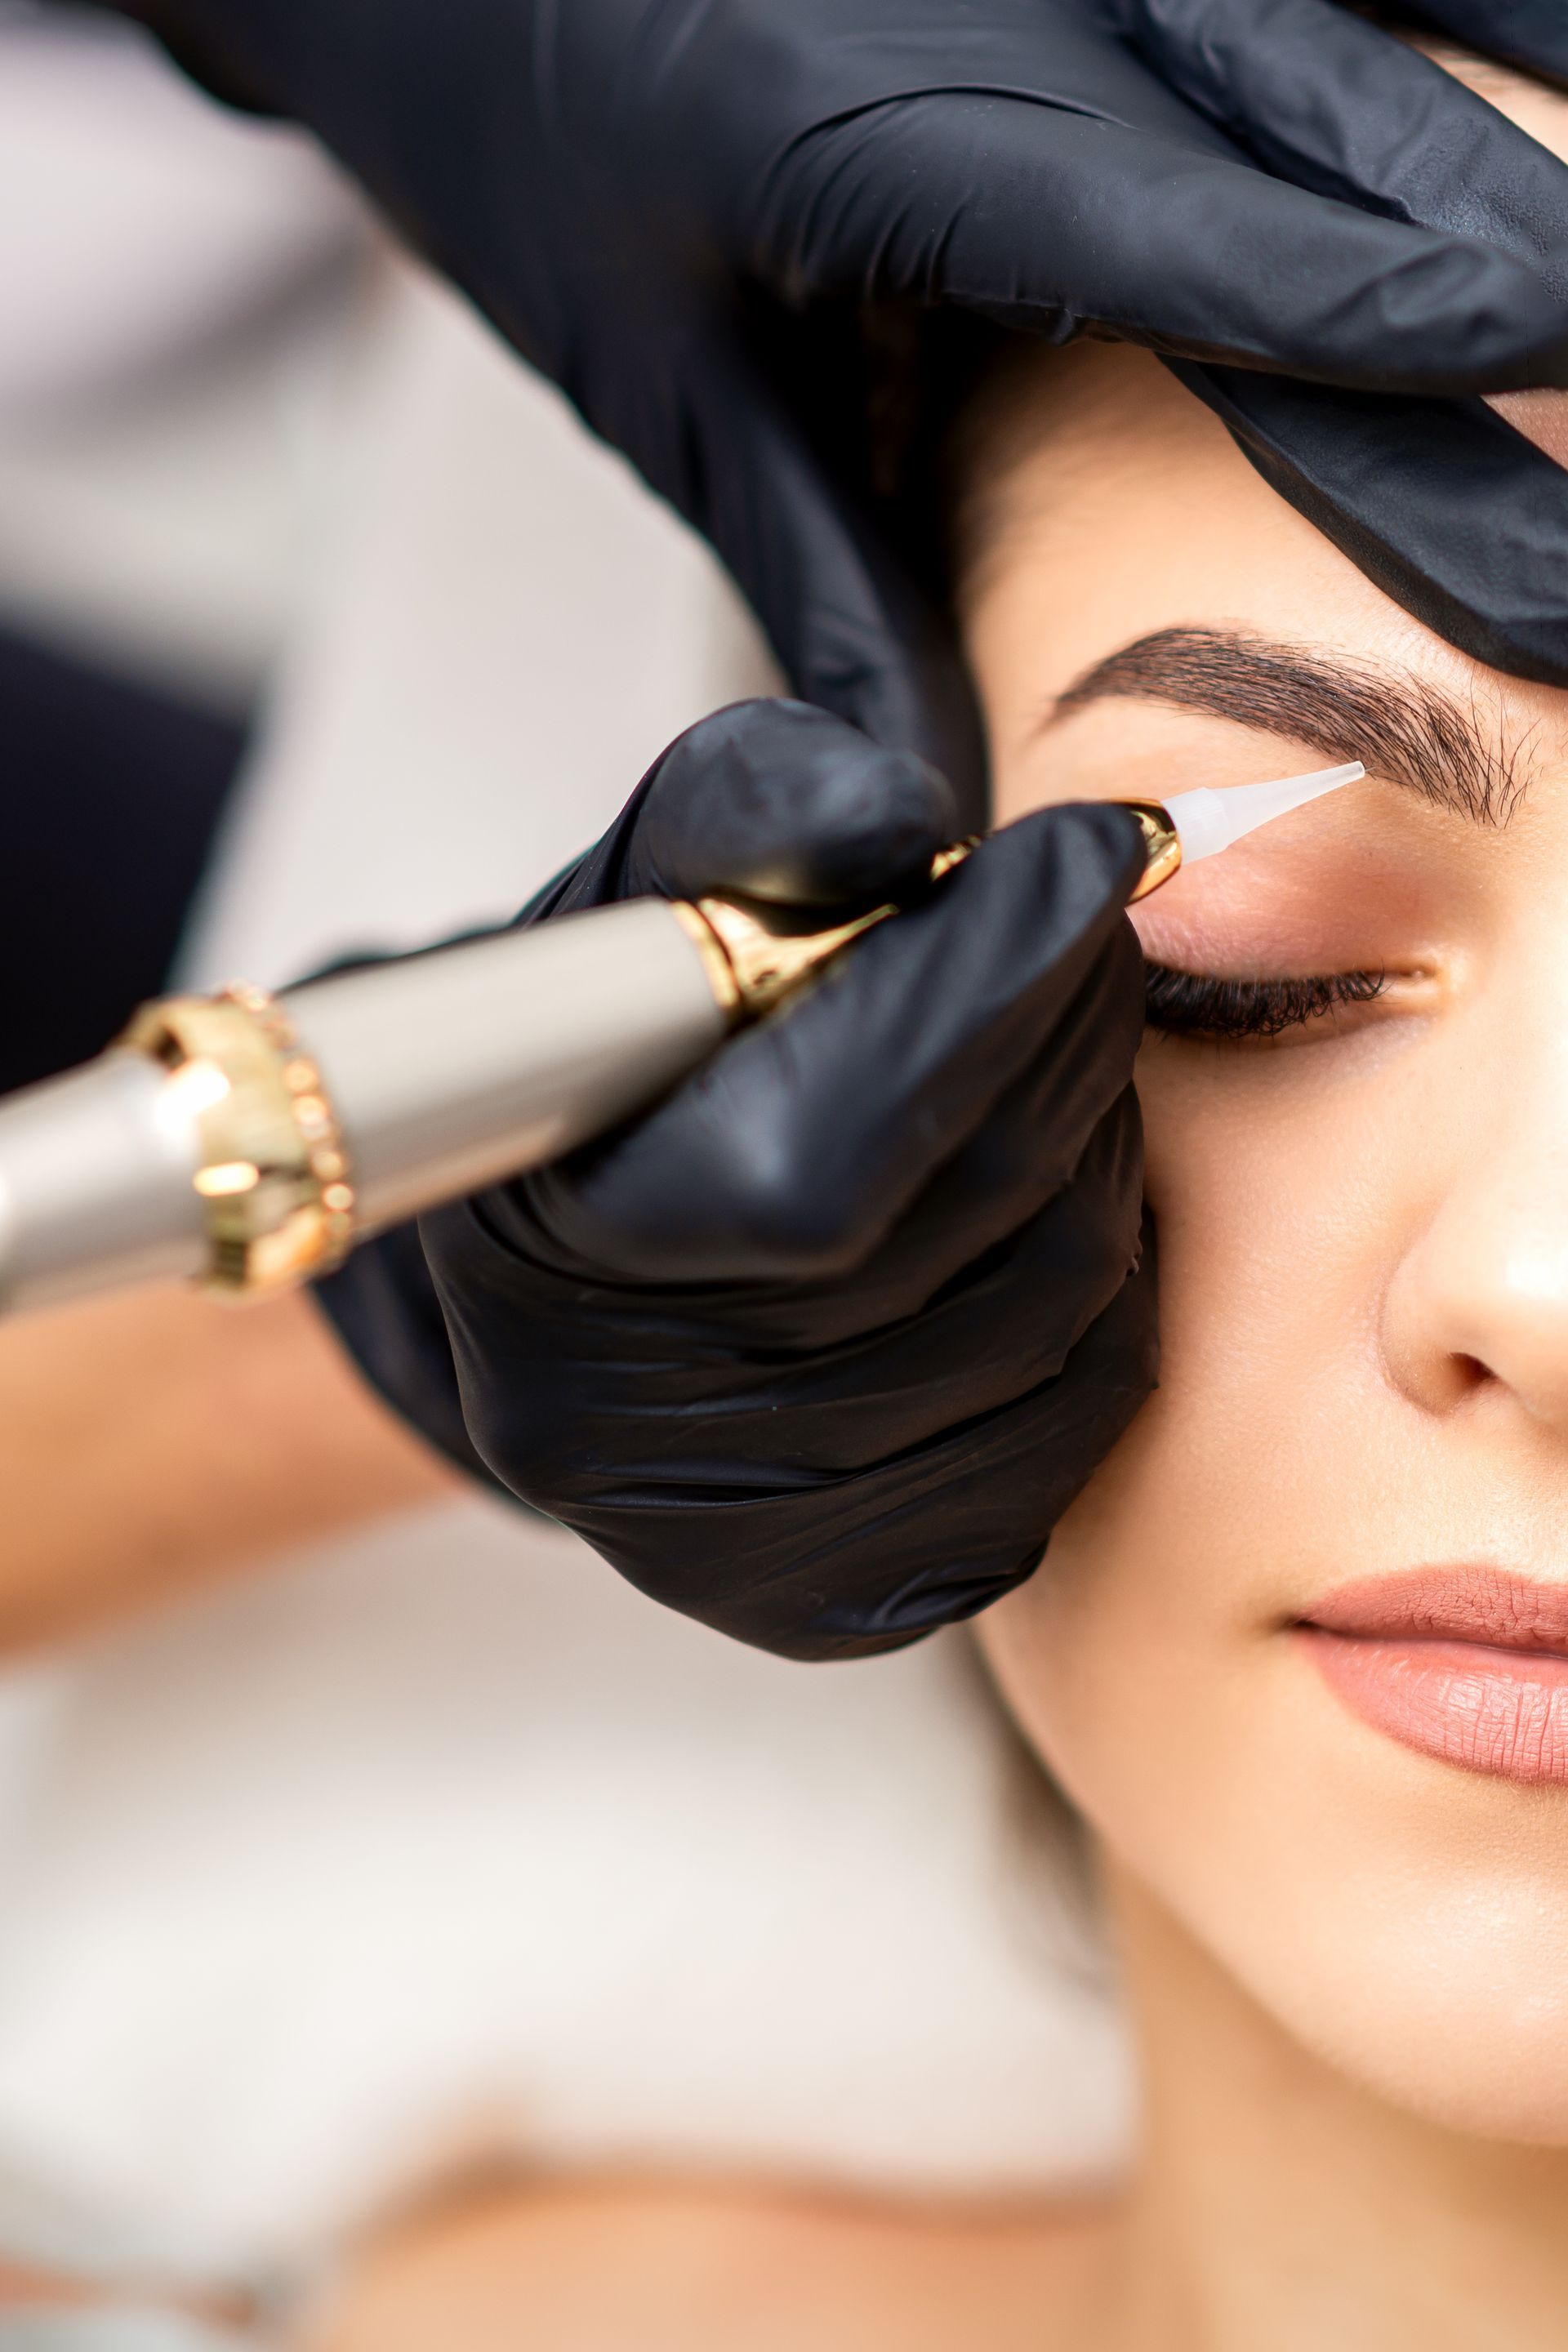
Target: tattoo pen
(247, 1142)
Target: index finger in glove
(768, 799)
(852, 629)
(1089, 222)
(793, 1153)
(777, 801)
(1343, 107)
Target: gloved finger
(768, 799)
(1007, 1479)
(777, 1558)
(859, 1393)
(777, 801)
(1528, 33)
(1453, 513)
(1052, 221)
(928, 1275)
(1016, 1166)
(791, 1153)
(853, 632)
(1014, 1169)
(382, 1304)
(1340, 106)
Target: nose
(1479, 1300)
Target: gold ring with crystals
(273, 1172)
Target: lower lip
(1501, 1712)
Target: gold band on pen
(272, 1174)
(750, 967)
(752, 958)
(1162, 846)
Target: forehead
(1103, 505)
(1098, 501)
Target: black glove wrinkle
(1405, 140)
(758, 1170)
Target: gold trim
(716, 965)
(755, 961)
(273, 1176)
(1162, 846)
(764, 965)
(954, 855)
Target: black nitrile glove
(819, 1350)
(680, 208)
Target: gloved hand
(820, 1349)
(680, 211)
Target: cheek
(1165, 1587)
(1383, 1908)
(1273, 1245)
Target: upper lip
(1492, 1606)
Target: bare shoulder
(630, 2267)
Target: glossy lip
(1467, 1664)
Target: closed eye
(1205, 1005)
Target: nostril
(1469, 1373)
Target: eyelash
(1198, 1005)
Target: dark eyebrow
(1406, 730)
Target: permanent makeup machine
(247, 1142)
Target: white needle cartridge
(1211, 820)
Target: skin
(627, 2266)
(1364, 1294)
(154, 1444)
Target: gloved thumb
(776, 800)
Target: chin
(1462, 2024)
(1359, 1914)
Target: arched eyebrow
(1406, 730)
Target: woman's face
(1269, 1654)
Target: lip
(1466, 1664)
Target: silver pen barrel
(196, 1149)
(450, 1070)
(97, 1183)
